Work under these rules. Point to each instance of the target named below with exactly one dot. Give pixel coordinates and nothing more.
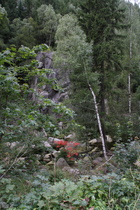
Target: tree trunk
(103, 109)
(102, 91)
(34, 86)
(99, 122)
(129, 93)
(101, 130)
(129, 75)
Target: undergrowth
(38, 191)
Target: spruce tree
(102, 21)
(10, 7)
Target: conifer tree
(102, 21)
(131, 65)
(10, 7)
(4, 27)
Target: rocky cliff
(59, 76)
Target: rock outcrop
(58, 76)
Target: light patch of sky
(134, 1)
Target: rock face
(60, 77)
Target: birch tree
(74, 54)
(47, 23)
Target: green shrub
(127, 154)
(108, 192)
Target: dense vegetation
(97, 43)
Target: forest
(69, 105)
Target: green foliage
(110, 191)
(10, 7)
(23, 32)
(4, 27)
(71, 43)
(127, 146)
(104, 24)
(47, 24)
(18, 68)
(126, 154)
(7, 192)
(73, 54)
(21, 118)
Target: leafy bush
(127, 154)
(106, 192)
(21, 119)
(110, 191)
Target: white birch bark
(99, 121)
(97, 115)
(129, 92)
(34, 86)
